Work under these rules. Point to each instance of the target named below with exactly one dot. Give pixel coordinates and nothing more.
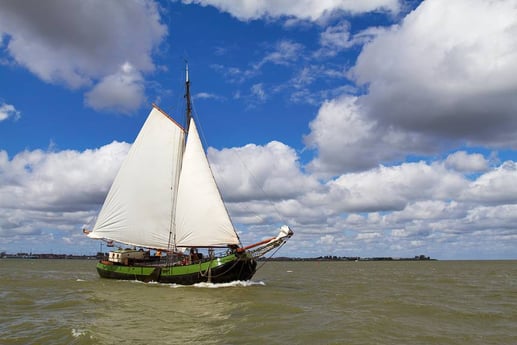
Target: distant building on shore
(354, 258)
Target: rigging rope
(267, 259)
(255, 182)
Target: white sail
(201, 217)
(165, 196)
(139, 205)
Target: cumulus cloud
(389, 210)
(393, 188)
(446, 72)
(247, 173)
(465, 162)
(55, 180)
(440, 79)
(498, 186)
(346, 140)
(122, 91)
(327, 240)
(54, 190)
(78, 44)
(313, 10)
(337, 127)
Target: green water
(439, 302)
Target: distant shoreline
(30, 256)
(48, 256)
(353, 258)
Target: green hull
(219, 270)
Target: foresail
(201, 217)
(138, 208)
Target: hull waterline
(220, 270)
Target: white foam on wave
(238, 283)
(76, 333)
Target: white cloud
(347, 140)
(56, 180)
(439, 79)
(235, 74)
(79, 43)
(368, 236)
(207, 95)
(496, 186)
(336, 128)
(446, 72)
(393, 188)
(122, 91)
(54, 190)
(313, 10)
(422, 217)
(489, 218)
(284, 53)
(338, 38)
(465, 162)
(390, 211)
(8, 111)
(257, 90)
(326, 240)
(256, 172)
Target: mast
(187, 97)
(188, 116)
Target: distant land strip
(351, 258)
(4, 255)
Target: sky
(371, 128)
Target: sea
(291, 302)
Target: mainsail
(164, 194)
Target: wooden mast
(187, 97)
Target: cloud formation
(8, 111)
(304, 9)
(390, 209)
(420, 206)
(122, 91)
(46, 191)
(440, 79)
(446, 72)
(85, 46)
(378, 184)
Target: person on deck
(194, 255)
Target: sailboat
(165, 207)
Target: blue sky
(373, 128)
